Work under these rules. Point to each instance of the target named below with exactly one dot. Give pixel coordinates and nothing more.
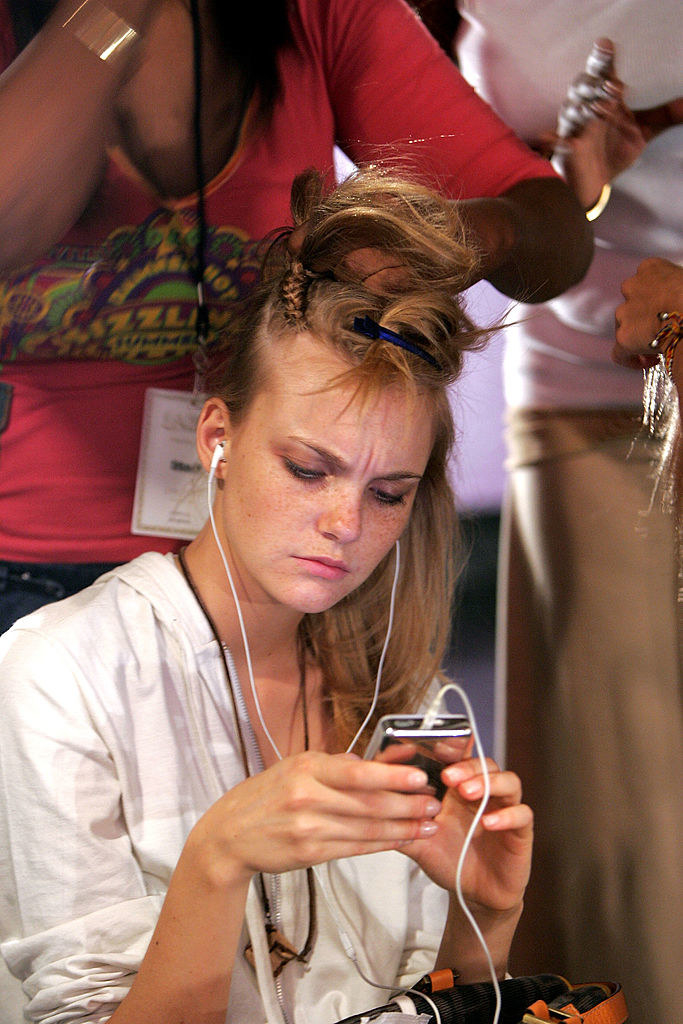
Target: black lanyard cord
(202, 326)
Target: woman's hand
(608, 142)
(606, 145)
(496, 868)
(310, 808)
(598, 136)
(656, 286)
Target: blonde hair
(317, 289)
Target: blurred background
(478, 479)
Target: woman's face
(317, 486)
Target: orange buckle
(550, 1015)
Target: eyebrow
(340, 465)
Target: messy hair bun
(375, 219)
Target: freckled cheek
(275, 516)
(383, 534)
(262, 498)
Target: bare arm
(56, 116)
(534, 239)
(517, 239)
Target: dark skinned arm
(534, 240)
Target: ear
(213, 427)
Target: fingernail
(433, 807)
(474, 786)
(428, 828)
(418, 779)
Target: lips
(326, 568)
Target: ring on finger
(665, 332)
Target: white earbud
(217, 456)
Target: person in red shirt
(106, 225)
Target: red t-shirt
(110, 311)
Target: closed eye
(302, 472)
(313, 476)
(385, 498)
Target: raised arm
(397, 96)
(56, 117)
(535, 239)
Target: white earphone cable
(238, 609)
(390, 626)
(247, 653)
(429, 717)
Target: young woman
(188, 832)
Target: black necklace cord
(276, 941)
(202, 324)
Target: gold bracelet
(101, 30)
(603, 199)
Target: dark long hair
(253, 32)
(28, 17)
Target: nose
(341, 518)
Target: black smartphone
(402, 739)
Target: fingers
(349, 772)
(315, 807)
(379, 271)
(632, 361)
(296, 238)
(657, 285)
(382, 805)
(342, 798)
(295, 823)
(504, 786)
(634, 329)
(461, 771)
(363, 791)
(505, 809)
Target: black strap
(5, 403)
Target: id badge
(170, 487)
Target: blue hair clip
(371, 329)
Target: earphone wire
(243, 631)
(428, 718)
(380, 666)
(430, 715)
(238, 609)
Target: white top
(116, 734)
(521, 57)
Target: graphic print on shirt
(132, 298)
